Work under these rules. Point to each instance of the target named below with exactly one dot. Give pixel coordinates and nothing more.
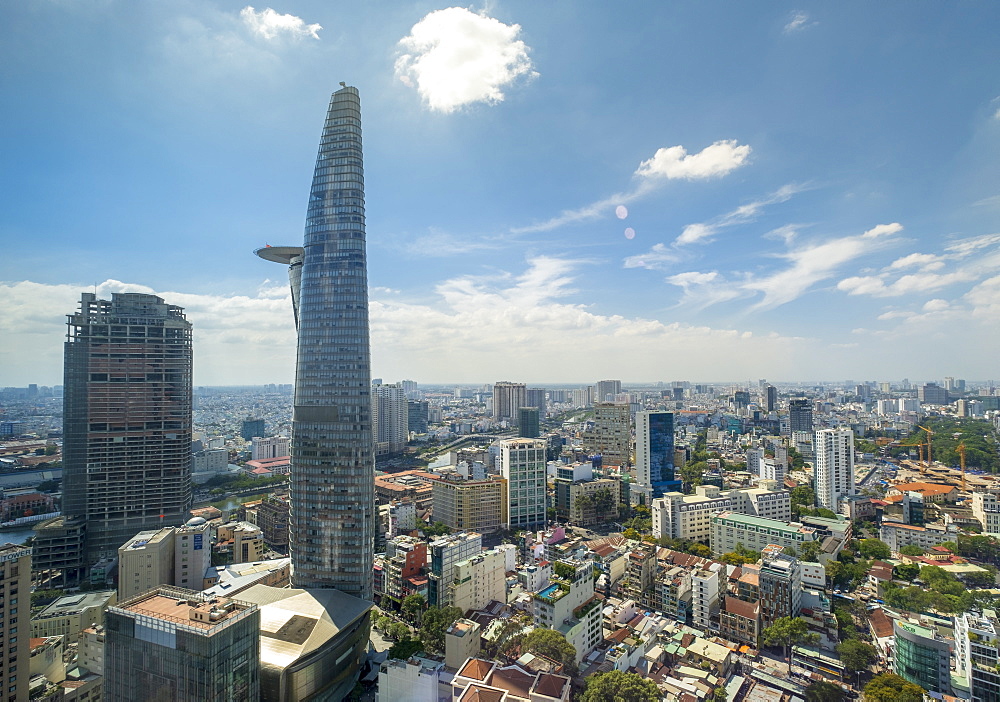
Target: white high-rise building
(389, 426)
(264, 447)
(522, 463)
(755, 460)
(834, 466)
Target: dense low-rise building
(730, 530)
(568, 604)
(70, 615)
(689, 517)
(896, 535)
(471, 505)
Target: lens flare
(629, 233)
(621, 212)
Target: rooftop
(181, 607)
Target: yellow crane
(961, 461)
(920, 451)
(930, 436)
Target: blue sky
(555, 191)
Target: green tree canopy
(551, 644)
(788, 632)
(906, 571)
(434, 624)
(809, 551)
(889, 687)
(911, 550)
(822, 691)
(619, 686)
(856, 655)
(412, 606)
(405, 647)
(436, 529)
(874, 549)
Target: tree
(889, 687)
(822, 691)
(411, 607)
(856, 655)
(788, 632)
(809, 550)
(981, 578)
(434, 624)
(397, 631)
(405, 647)
(631, 534)
(621, 687)
(551, 644)
(874, 549)
(911, 550)
(437, 529)
(906, 571)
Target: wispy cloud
(436, 244)
(798, 22)
(269, 24)
(704, 231)
(660, 256)
(669, 163)
(807, 265)
(456, 57)
(931, 274)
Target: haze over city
(799, 192)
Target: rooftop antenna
(343, 84)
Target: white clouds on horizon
(270, 25)
(243, 339)
(456, 57)
(668, 163)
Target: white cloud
(713, 161)
(242, 339)
(657, 257)
(918, 260)
(927, 278)
(704, 231)
(799, 21)
(456, 57)
(670, 163)
(996, 115)
(883, 230)
(936, 305)
(696, 232)
(269, 24)
(808, 264)
(985, 299)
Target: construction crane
(961, 461)
(930, 436)
(920, 450)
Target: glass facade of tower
(127, 418)
(654, 451)
(332, 482)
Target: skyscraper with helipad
(332, 482)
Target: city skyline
(793, 193)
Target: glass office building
(332, 482)
(654, 452)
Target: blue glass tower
(332, 484)
(654, 452)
